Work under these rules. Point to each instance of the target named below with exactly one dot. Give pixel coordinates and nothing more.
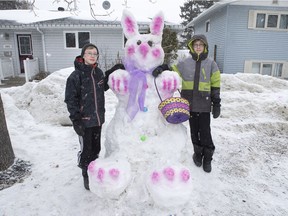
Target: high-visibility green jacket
(200, 80)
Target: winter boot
(197, 158)
(86, 183)
(85, 178)
(208, 153)
(198, 155)
(207, 166)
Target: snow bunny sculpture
(138, 132)
(138, 125)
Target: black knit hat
(86, 46)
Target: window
(256, 68)
(278, 70)
(70, 40)
(260, 22)
(283, 22)
(272, 20)
(208, 26)
(266, 68)
(275, 2)
(84, 38)
(76, 39)
(25, 46)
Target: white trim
(285, 70)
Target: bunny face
(144, 51)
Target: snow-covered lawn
(249, 170)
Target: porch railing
(31, 68)
(6, 68)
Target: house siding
(37, 48)
(250, 44)
(216, 35)
(7, 45)
(237, 42)
(108, 41)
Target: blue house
(247, 36)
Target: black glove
(115, 67)
(216, 110)
(79, 127)
(158, 70)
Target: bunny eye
(150, 43)
(139, 42)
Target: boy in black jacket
(85, 101)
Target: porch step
(12, 81)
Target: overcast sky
(140, 8)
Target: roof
(11, 19)
(223, 3)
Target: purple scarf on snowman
(138, 82)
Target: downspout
(44, 49)
(226, 38)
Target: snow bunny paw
(168, 82)
(118, 82)
(170, 186)
(109, 178)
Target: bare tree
(72, 6)
(6, 151)
(14, 4)
(94, 14)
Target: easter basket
(174, 109)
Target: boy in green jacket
(201, 87)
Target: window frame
(261, 63)
(28, 45)
(253, 14)
(207, 25)
(76, 34)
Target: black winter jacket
(84, 94)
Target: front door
(25, 49)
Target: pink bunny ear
(157, 24)
(129, 24)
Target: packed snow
(248, 170)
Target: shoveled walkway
(12, 81)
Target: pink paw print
(103, 174)
(170, 186)
(119, 82)
(108, 178)
(169, 175)
(168, 82)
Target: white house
(54, 38)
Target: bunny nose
(144, 49)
